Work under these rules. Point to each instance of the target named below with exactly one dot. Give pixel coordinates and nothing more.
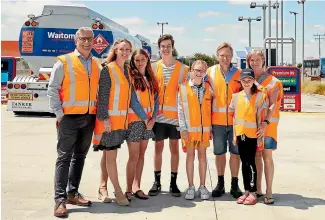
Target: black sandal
(128, 195)
(268, 200)
(137, 195)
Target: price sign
(290, 78)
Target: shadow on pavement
(297, 201)
(153, 204)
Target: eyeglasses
(198, 71)
(225, 56)
(84, 39)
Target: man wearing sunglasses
(72, 95)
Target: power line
(319, 37)
(162, 26)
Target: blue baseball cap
(247, 73)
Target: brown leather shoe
(78, 199)
(60, 209)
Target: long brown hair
(111, 54)
(139, 81)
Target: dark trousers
(74, 139)
(247, 150)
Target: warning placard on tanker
(27, 44)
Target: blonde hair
(225, 45)
(111, 54)
(260, 53)
(199, 62)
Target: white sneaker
(204, 193)
(190, 193)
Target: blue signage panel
(58, 41)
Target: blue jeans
(221, 135)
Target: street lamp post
(264, 7)
(276, 7)
(162, 26)
(295, 14)
(249, 19)
(303, 36)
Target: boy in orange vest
(194, 115)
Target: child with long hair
(247, 107)
(139, 132)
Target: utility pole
(303, 37)
(162, 26)
(319, 37)
(269, 51)
(295, 14)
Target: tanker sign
(100, 44)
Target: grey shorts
(222, 137)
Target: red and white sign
(4, 94)
(100, 44)
(291, 102)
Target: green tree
(175, 53)
(299, 65)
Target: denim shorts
(270, 143)
(221, 136)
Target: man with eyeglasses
(170, 73)
(72, 95)
(224, 79)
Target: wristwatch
(266, 121)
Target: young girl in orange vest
(248, 106)
(139, 132)
(274, 90)
(194, 115)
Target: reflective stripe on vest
(186, 109)
(223, 94)
(115, 111)
(72, 102)
(164, 106)
(247, 125)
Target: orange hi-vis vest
(223, 91)
(268, 85)
(78, 93)
(118, 104)
(147, 101)
(197, 116)
(168, 92)
(246, 113)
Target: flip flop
(268, 200)
(128, 195)
(138, 195)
